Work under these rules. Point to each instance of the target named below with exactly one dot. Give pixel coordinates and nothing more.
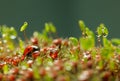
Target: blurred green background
(63, 13)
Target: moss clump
(59, 59)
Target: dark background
(63, 13)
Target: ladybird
(29, 51)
